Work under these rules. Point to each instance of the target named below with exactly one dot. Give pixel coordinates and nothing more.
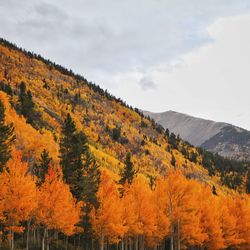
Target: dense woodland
(82, 170)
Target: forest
(80, 169)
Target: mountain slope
(113, 128)
(225, 139)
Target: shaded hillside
(113, 129)
(222, 138)
(231, 141)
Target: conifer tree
(26, 103)
(91, 174)
(173, 161)
(73, 146)
(80, 170)
(7, 138)
(41, 169)
(128, 173)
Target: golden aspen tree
(182, 211)
(57, 209)
(228, 222)
(161, 212)
(240, 208)
(210, 219)
(18, 190)
(107, 220)
(139, 197)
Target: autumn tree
(228, 222)
(139, 211)
(107, 220)
(7, 138)
(210, 219)
(57, 208)
(183, 211)
(240, 209)
(162, 212)
(18, 191)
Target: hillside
(113, 128)
(222, 138)
(80, 169)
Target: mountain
(218, 137)
(113, 128)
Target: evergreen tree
(26, 103)
(116, 133)
(91, 174)
(91, 180)
(173, 161)
(73, 146)
(41, 169)
(214, 190)
(7, 138)
(80, 171)
(167, 132)
(128, 172)
(248, 181)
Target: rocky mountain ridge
(218, 137)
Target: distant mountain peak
(223, 138)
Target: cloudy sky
(189, 56)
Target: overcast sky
(189, 56)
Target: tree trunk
(126, 244)
(122, 244)
(12, 240)
(102, 242)
(47, 241)
(172, 239)
(66, 242)
(43, 240)
(28, 234)
(179, 237)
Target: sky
(188, 56)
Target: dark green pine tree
(91, 174)
(91, 180)
(41, 169)
(73, 146)
(26, 103)
(7, 138)
(173, 161)
(214, 190)
(80, 171)
(128, 173)
(248, 182)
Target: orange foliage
(18, 191)
(28, 140)
(57, 209)
(107, 219)
(139, 208)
